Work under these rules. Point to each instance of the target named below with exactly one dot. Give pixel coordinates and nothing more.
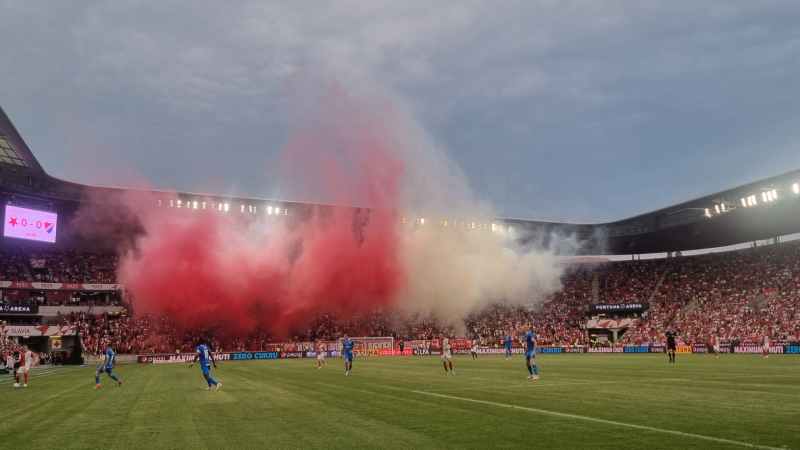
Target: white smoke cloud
(456, 263)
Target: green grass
(289, 404)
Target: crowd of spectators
(36, 264)
(719, 294)
(629, 281)
(700, 297)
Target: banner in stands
(61, 286)
(19, 309)
(610, 324)
(617, 307)
(52, 330)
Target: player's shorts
(348, 356)
(530, 354)
(107, 369)
(206, 368)
(671, 347)
(716, 348)
(765, 348)
(446, 355)
(23, 369)
(321, 356)
(474, 350)
(508, 347)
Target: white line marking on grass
(607, 422)
(34, 375)
(582, 383)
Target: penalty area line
(604, 421)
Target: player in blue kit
(508, 346)
(530, 354)
(206, 358)
(347, 353)
(108, 364)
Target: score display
(30, 224)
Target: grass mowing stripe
(592, 383)
(607, 422)
(42, 374)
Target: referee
(671, 335)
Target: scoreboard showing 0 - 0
(31, 224)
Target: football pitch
(581, 401)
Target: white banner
(61, 286)
(47, 330)
(610, 324)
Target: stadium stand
(740, 295)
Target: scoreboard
(30, 224)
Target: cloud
(557, 96)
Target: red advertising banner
(460, 343)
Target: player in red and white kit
(446, 356)
(26, 359)
(715, 343)
(321, 349)
(766, 347)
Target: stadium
(453, 330)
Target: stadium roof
(754, 211)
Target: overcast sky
(592, 110)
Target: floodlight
(227, 207)
(796, 188)
(744, 202)
(179, 203)
(269, 209)
(716, 208)
(194, 205)
(708, 213)
(422, 221)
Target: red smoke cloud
(203, 267)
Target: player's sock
(26, 377)
(445, 366)
(530, 369)
(97, 379)
(535, 370)
(114, 377)
(211, 381)
(451, 368)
